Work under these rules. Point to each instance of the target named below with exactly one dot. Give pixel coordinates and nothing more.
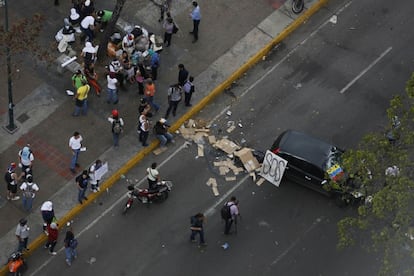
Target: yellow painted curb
(194, 110)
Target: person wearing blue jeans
(161, 131)
(75, 144)
(197, 228)
(82, 183)
(112, 88)
(70, 247)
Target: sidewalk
(43, 114)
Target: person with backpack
(196, 227)
(71, 243)
(174, 95)
(29, 190)
(229, 213)
(82, 184)
(117, 126)
(11, 179)
(189, 89)
(26, 158)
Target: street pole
(11, 127)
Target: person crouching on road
(161, 131)
(47, 213)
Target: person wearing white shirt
(29, 190)
(112, 88)
(87, 25)
(75, 144)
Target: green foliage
(387, 219)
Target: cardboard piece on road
(211, 139)
(159, 150)
(211, 181)
(253, 175)
(249, 161)
(230, 129)
(200, 150)
(226, 145)
(202, 130)
(187, 133)
(190, 123)
(230, 178)
(260, 181)
(223, 170)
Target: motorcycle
(146, 196)
(16, 264)
(297, 6)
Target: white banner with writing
(273, 168)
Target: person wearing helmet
(11, 179)
(29, 190)
(117, 126)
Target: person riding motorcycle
(153, 177)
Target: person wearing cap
(26, 158)
(29, 190)
(174, 95)
(22, 235)
(12, 179)
(52, 237)
(161, 131)
(104, 16)
(117, 126)
(74, 18)
(77, 79)
(47, 213)
(128, 43)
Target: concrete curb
(36, 243)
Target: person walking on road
(232, 212)
(82, 184)
(48, 213)
(168, 30)
(81, 99)
(112, 90)
(155, 63)
(196, 17)
(70, 246)
(117, 126)
(174, 97)
(153, 176)
(182, 74)
(29, 190)
(189, 89)
(149, 93)
(75, 145)
(52, 236)
(26, 158)
(11, 179)
(197, 228)
(93, 177)
(22, 235)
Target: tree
(383, 163)
(19, 41)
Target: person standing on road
(48, 213)
(93, 177)
(189, 89)
(26, 158)
(52, 236)
(174, 97)
(70, 246)
(112, 88)
(11, 179)
(78, 79)
(153, 176)
(81, 99)
(196, 17)
(182, 74)
(75, 144)
(29, 190)
(82, 184)
(117, 126)
(155, 63)
(87, 26)
(149, 93)
(197, 228)
(234, 213)
(144, 127)
(22, 235)
(168, 30)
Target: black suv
(311, 161)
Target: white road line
(365, 70)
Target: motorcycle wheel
(126, 207)
(298, 6)
(163, 196)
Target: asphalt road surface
(332, 80)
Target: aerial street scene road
(180, 137)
